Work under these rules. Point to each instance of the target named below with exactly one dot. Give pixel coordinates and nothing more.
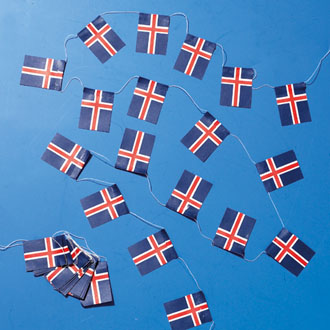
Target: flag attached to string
(99, 292)
(152, 34)
(67, 156)
(135, 151)
(46, 253)
(234, 232)
(101, 39)
(188, 312)
(207, 134)
(79, 290)
(279, 171)
(96, 110)
(104, 206)
(236, 87)
(289, 251)
(152, 252)
(194, 56)
(42, 72)
(189, 194)
(292, 104)
(147, 101)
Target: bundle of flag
(70, 269)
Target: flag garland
(70, 158)
(70, 268)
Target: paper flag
(279, 171)
(42, 72)
(152, 34)
(46, 253)
(189, 194)
(104, 206)
(96, 110)
(188, 312)
(289, 251)
(152, 252)
(194, 56)
(135, 151)
(101, 39)
(147, 101)
(207, 134)
(236, 87)
(292, 104)
(99, 292)
(234, 232)
(67, 156)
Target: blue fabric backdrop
(283, 41)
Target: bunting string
(256, 258)
(146, 221)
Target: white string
(69, 82)
(278, 213)
(186, 17)
(212, 326)
(200, 231)
(255, 74)
(153, 195)
(120, 12)
(245, 149)
(315, 73)
(68, 235)
(102, 158)
(224, 54)
(146, 221)
(126, 83)
(68, 38)
(17, 242)
(257, 257)
(203, 111)
(264, 85)
(97, 181)
(190, 272)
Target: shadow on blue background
(283, 41)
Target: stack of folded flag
(70, 269)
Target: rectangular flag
(67, 156)
(188, 312)
(42, 72)
(236, 87)
(99, 292)
(135, 151)
(101, 39)
(292, 104)
(207, 134)
(46, 253)
(234, 232)
(289, 251)
(279, 171)
(79, 290)
(152, 35)
(104, 206)
(189, 194)
(96, 110)
(152, 252)
(147, 101)
(194, 56)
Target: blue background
(283, 41)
